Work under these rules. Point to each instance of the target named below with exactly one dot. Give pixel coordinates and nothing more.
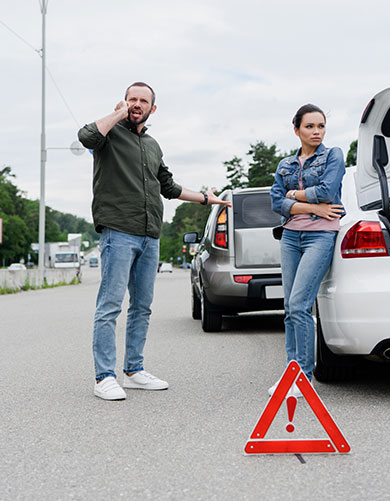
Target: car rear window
(253, 210)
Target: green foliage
(21, 222)
(261, 167)
(16, 233)
(16, 238)
(265, 160)
(235, 174)
(27, 286)
(8, 290)
(68, 223)
(352, 154)
(188, 217)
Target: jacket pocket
(317, 168)
(287, 175)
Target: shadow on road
(258, 323)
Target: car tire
(211, 320)
(196, 305)
(330, 367)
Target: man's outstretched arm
(196, 196)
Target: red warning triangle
(257, 444)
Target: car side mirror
(191, 238)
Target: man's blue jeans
(305, 258)
(127, 262)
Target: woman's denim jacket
(322, 174)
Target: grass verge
(29, 287)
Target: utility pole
(41, 263)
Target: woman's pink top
(303, 222)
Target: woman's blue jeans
(127, 262)
(305, 258)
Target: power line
(62, 97)
(39, 51)
(20, 38)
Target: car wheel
(196, 305)
(211, 320)
(330, 367)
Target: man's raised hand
(123, 107)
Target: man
(129, 176)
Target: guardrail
(18, 279)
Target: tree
(352, 154)
(16, 238)
(21, 221)
(261, 168)
(188, 217)
(16, 233)
(68, 223)
(236, 176)
(264, 162)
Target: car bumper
(264, 290)
(354, 305)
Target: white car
(16, 267)
(166, 268)
(352, 313)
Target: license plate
(273, 291)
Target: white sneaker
(271, 390)
(295, 391)
(142, 380)
(109, 389)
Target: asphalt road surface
(60, 442)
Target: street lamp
(76, 148)
(43, 149)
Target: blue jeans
(127, 262)
(305, 258)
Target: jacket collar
(319, 150)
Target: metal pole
(43, 151)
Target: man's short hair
(142, 84)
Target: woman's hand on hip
(328, 211)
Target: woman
(307, 193)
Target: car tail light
(242, 279)
(364, 239)
(221, 234)
(367, 111)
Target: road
(59, 442)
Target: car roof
(243, 191)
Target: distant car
(236, 267)
(166, 268)
(93, 262)
(352, 317)
(185, 265)
(16, 266)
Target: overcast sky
(226, 74)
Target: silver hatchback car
(237, 264)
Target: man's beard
(139, 120)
